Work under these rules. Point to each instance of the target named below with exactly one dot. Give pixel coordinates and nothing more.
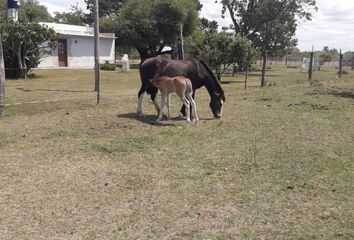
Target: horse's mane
(214, 78)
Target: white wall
(81, 53)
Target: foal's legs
(163, 103)
(193, 106)
(168, 107)
(183, 108)
(188, 112)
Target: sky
(332, 24)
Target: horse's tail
(213, 77)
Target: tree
(220, 48)
(207, 25)
(108, 8)
(150, 25)
(32, 11)
(76, 16)
(111, 8)
(275, 38)
(24, 44)
(3, 9)
(325, 56)
(242, 53)
(269, 24)
(212, 47)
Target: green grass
(278, 165)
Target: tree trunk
(246, 78)
(218, 72)
(19, 62)
(2, 81)
(264, 66)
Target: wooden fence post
(340, 64)
(311, 66)
(2, 80)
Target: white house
(76, 47)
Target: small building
(76, 47)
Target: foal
(180, 85)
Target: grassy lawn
(278, 165)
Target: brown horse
(197, 71)
(184, 89)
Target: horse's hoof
(182, 116)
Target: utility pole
(97, 50)
(311, 65)
(2, 80)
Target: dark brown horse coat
(197, 71)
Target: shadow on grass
(342, 94)
(52, 90)
(260, 74)
(151, 119)
(147, 119)
(231, 82)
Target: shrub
(292, 66)
(108, 67)
(343, 72)
(24, 44)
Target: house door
(62, 53)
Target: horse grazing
(197, 71)
(184, 89)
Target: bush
(108, 67)
(292, 66)
(343, 72)
(23, 46)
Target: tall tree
(269, 24)
(150, 25)
(147, 25)
(325, 56)
(3, 9)
(108, 8)
(208, 25)
(76, 16)
(32, 11)
(220, 48)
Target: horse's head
(217, 104)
